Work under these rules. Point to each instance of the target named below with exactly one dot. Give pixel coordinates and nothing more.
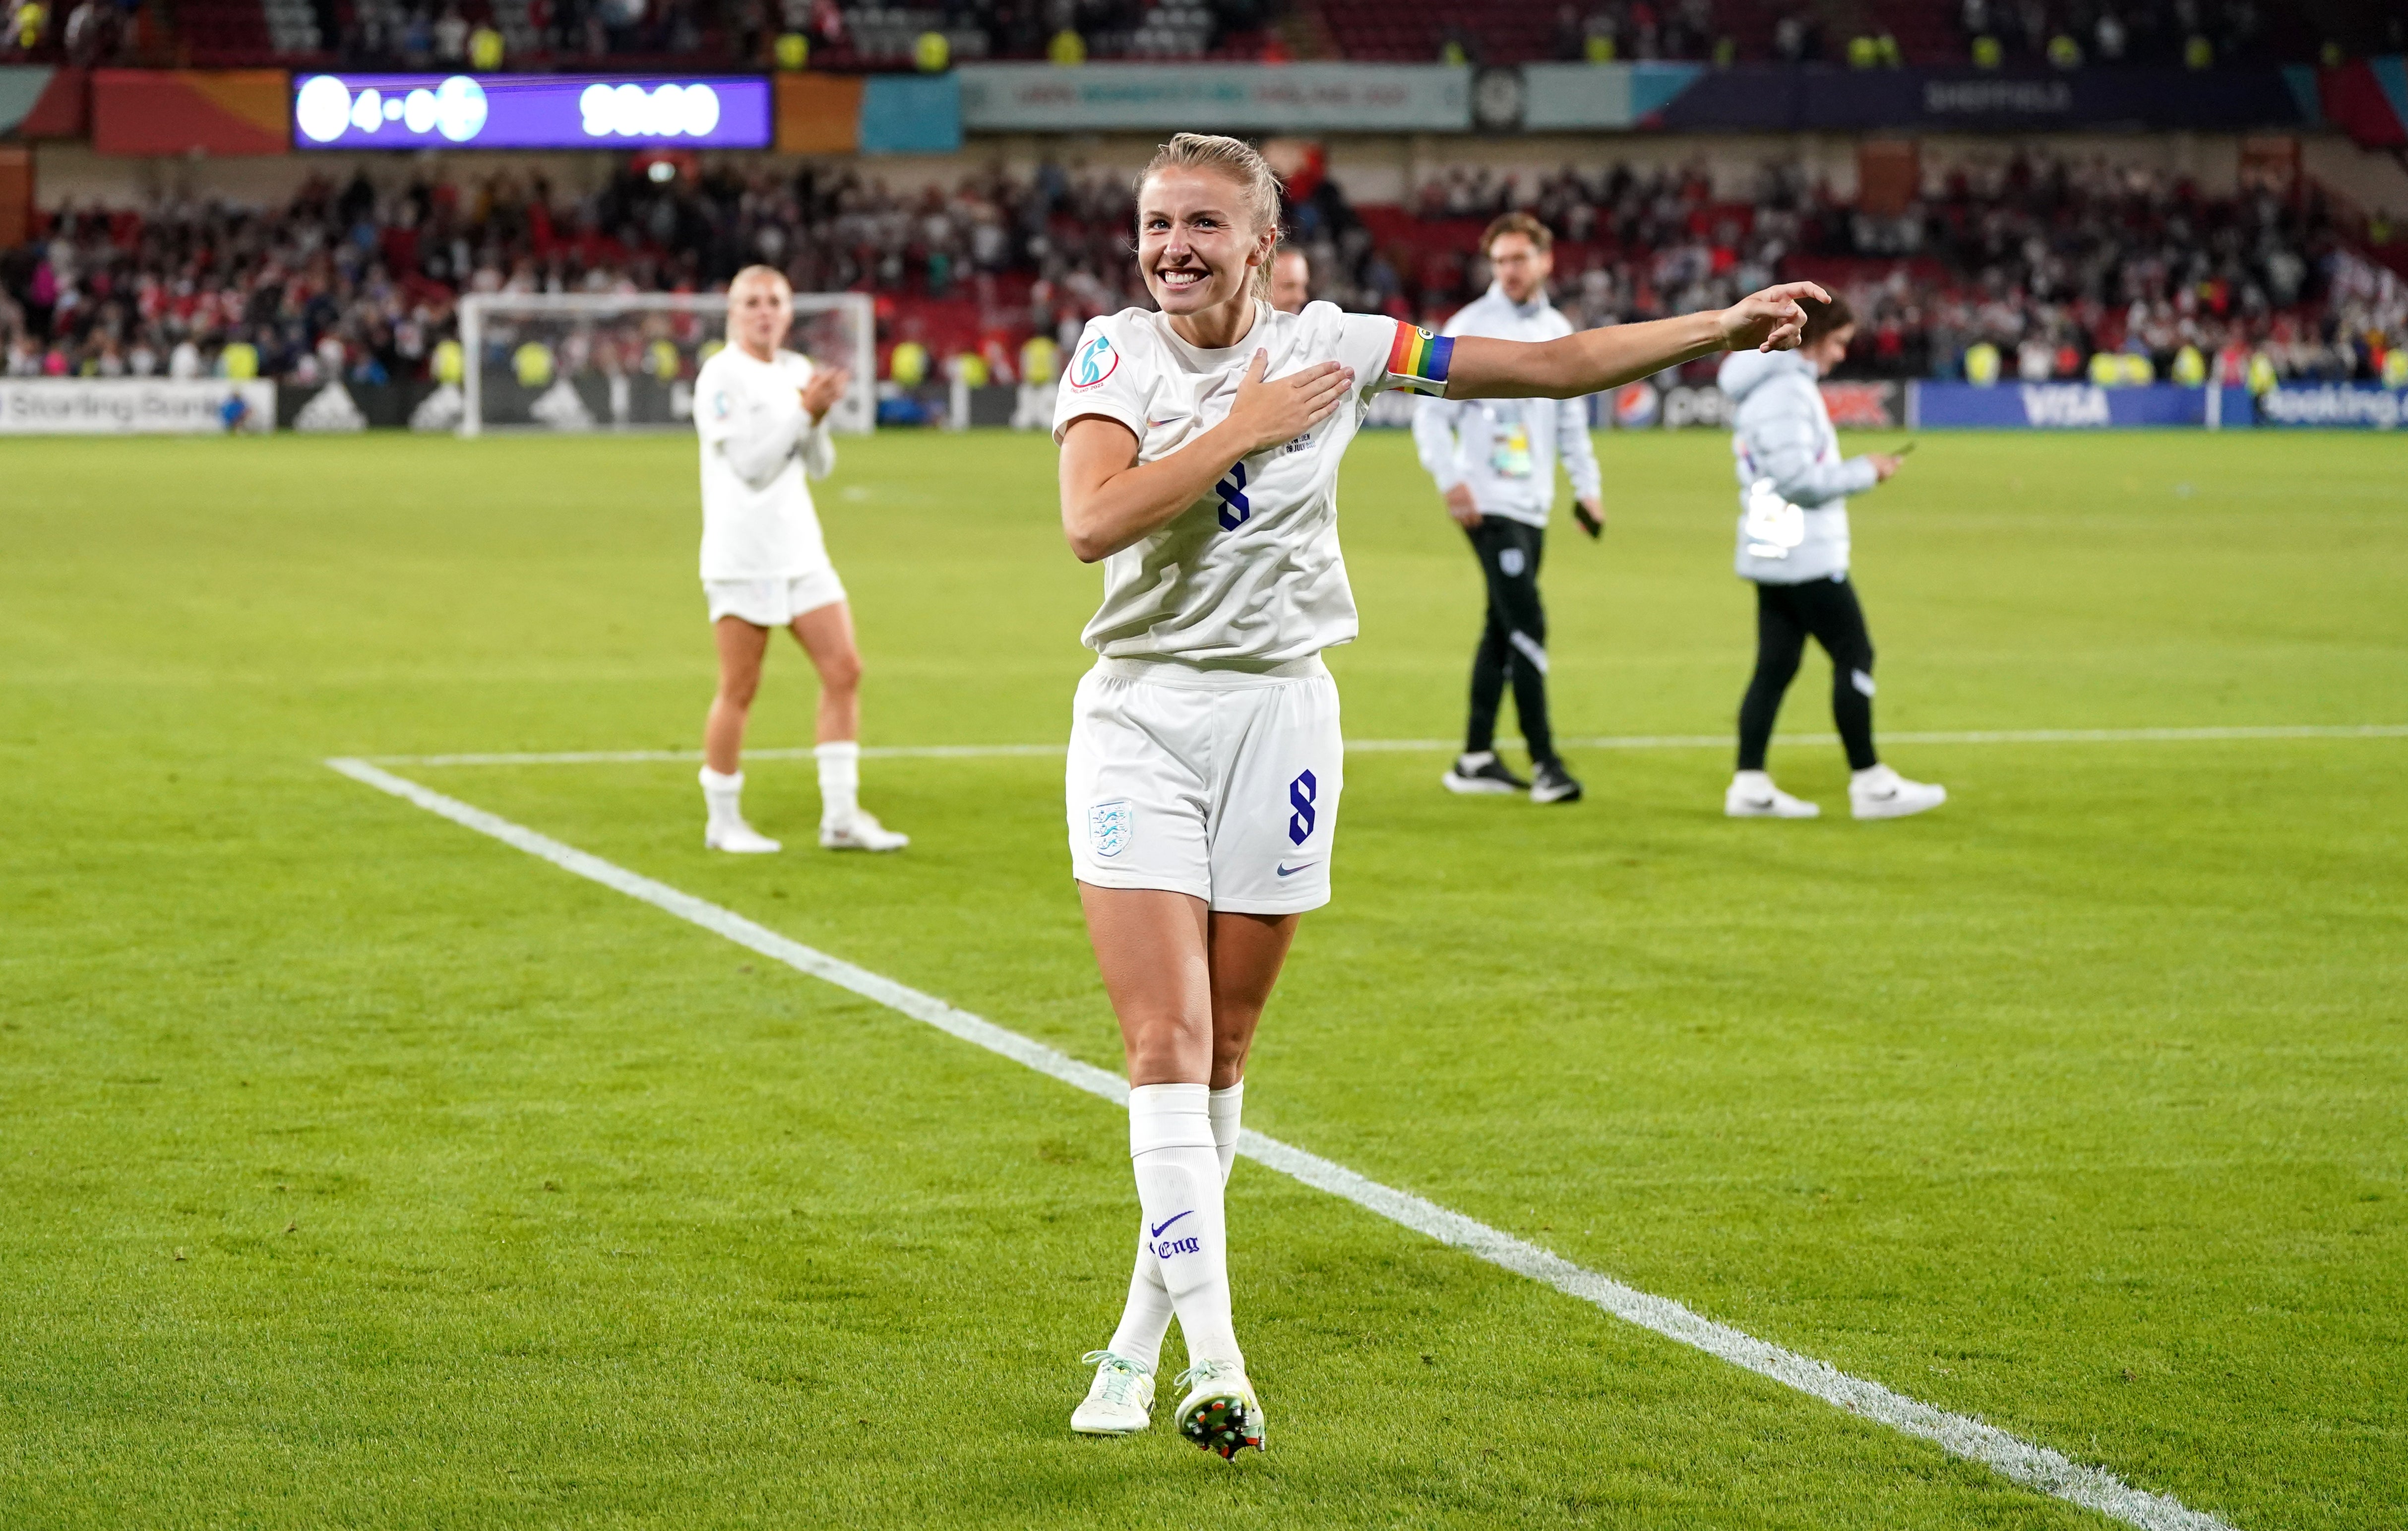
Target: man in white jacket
(1495, 463)
(762, 414)
(1793, 545)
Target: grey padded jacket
(1793, 523)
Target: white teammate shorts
(1217, 783)
(773, 602)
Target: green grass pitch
(359, 1171)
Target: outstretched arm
(1594, 360)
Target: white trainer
(1883, 793)
(862, 831)
(1751, 795)
(739, 838)
(1220, 1412)
(1119, 1402)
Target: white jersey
(1251, 573)
(757, 444)
(1505, 449)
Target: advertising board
(1854, 406)
(132, 406)
(2348, 405)
(1206, 98)
(2056, 406)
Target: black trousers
(1513, 643)
(1785, 616)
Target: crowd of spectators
(83, 32)
(2049, 264)
(890, 34)
(791, 31)
(2072, 33)
(362, 283)
(1641, 31)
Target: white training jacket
(1793, 484)
(1505, 448)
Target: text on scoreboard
(529, 111)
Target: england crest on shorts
(1110, 825)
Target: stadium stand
(882, 36)
(224, 32)
(2049, 261)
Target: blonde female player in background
(1199, 454)
(762, 414)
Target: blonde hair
(1258, 185)
(759, 273)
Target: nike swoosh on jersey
(1301, 866)
(1156, 1233)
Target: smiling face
(760, 310)
(1197, 246)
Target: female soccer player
(1199, 462)
(762, 414)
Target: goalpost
(626, 361)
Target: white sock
(839, 780)
(1223, 1107)
(1179, 1193)
(1754, 781)
(1146, 1317)
(723, 796)
(1873, 776)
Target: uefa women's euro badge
(1095, 361)
(1110, 825)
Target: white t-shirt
(757, 520)
(1252, 572)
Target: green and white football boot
(1220, 1412)
(1120, 1401)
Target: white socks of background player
(1147, 1316)
(839, 780)
(723, 796)
(840, 786)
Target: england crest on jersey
(1109, 827)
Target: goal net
(610, 361)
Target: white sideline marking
(1667, 741)
(2036, 1467)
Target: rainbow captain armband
(1417, 360)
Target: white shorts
(1216, 783)
(773, 602)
